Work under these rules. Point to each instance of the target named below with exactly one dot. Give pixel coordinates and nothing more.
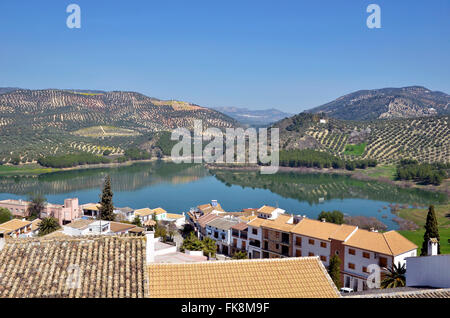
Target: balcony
(255, 243)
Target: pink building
(66, 213)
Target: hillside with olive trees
(425, 139)
(39, 123)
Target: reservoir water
(177, 188)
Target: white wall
(361, 261)
(433, 271)
(402, 257)
(315, 248)
(258, 236)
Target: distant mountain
(34, 123)
(405, 102)
(4, 90)
(254, 117)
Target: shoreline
(356, 174)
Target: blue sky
(291, 55)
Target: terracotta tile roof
(56, 234)
(280, 223)
(248, 218)
(80, 223)
(266, 209)
(256, 222)
(159, 211)
(206, 218)
(91, 206)
(398, 244)
(136, 229)
(117, 227)
(174, 216)
(143, 212)
(110, 266)
(389, 243)
(221, 223)
(304, 277)
(13, 225)
(240, 226)
(315, 229)
(343, 232)
(35, 224)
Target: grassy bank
(418, 216)
(27, 169)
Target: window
(351, 251)
(310, 254)
(285, 238)
(351, 265)
(323, 244)
(323, 258)
(298, 253)
(311, 242)
(298, 241)
(383, 262)
(364, 269)
(255, 231)
(366, 255)
(277, 246)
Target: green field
(418, 216)
(24, 169)
(417, 238)
(105, 131)
(355, 150)
(387, 171)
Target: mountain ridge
(390, 102)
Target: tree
(395, 277)
(137, 221)
(240, 255)
(161, 231)
(209, 247)
(334, 269)
(36, 206)
(431, 231)
(335, 217)
(192, 243)
(48, 225)
(106, 209)
(5, 215)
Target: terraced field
(425, 139)
(35, 123)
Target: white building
(255, 238)
(269, 212)
(220, 231)
(432, 270)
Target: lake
(178, 187)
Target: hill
(35, 123)
(405, 102)
(426, 139)
(254, 117)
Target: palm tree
(48, 225)
(395, 277)
(36, 206)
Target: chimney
(323, 220)
(2, 242)
(214, 203)
(150, 247)
(432, 246)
